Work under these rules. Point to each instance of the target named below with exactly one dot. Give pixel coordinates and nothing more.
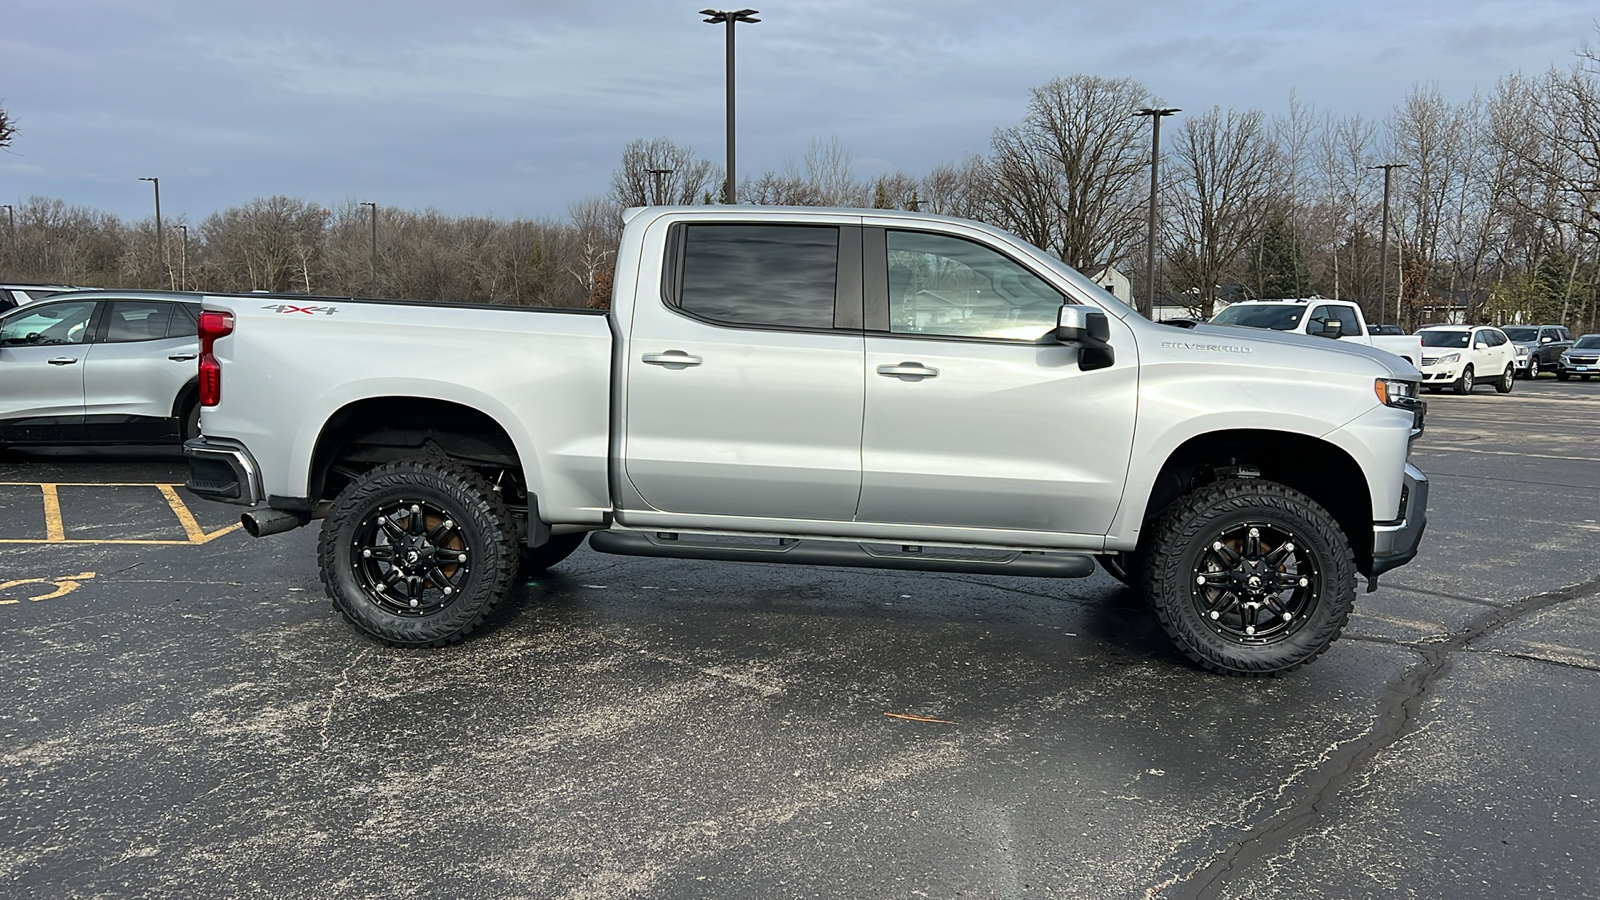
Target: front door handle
(672, 359)
(909, 370)
(62, 361)
(182, 357)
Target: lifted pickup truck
(824, 387)
(1337, 319)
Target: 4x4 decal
(308, 310)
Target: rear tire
(1507, 380)
(417, 553)
(191, 423)
(1250, 577)
(1463, 385)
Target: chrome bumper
(223, 471)
(1394, 543)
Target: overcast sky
(517, 108)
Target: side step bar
(841, 553)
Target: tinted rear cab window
(781, 276)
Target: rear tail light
(213, 324)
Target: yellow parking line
(54, 531)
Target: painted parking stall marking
(154, 505)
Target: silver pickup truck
(826, 387)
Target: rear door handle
(909, 370)
(672, 359)
(62, 361)
(182, 357)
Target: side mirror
(1087, 328)
(1546, 339)
(1331, 328)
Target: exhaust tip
(260, 523)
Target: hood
(1394, 366)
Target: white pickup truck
(826, 387)
(1338, 319)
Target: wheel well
(377, 430)
(188, 395)
(1314, 467)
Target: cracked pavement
(195, 720)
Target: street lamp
(161, 245)
(717, 17)
(183, 259)
(1156, 114)
(374, 208)
(1383, 244)
(655, 176)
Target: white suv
(1467, 355)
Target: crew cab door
(744, 380)
(43, 347)
(975, 416)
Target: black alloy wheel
(417, 553)
(1250, 577)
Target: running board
(908, 557)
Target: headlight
(1449, 358)
(1396, 393)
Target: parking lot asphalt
(182, 714)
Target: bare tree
(1066, 177)
(271, 244)
(658, 171)
(8, 128)
(1224, 171)
(592, 257)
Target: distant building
(1116, 284)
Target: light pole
(1383, 243)
(717, 17)
(183, 259)
(1156, 114)
(655, 176)
(374, 208)
(161, 245)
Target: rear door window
(137, 320)
(763, 276)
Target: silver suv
(100, 367)
(1539, 347)
(1581, 359)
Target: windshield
(1588, 342)
(1278, 317)
(1441, 338)
(1522, 335)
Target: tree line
(1494, 210)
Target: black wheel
(191, 422)
(1249, 577)
(1507, 380)
(1533, 367)
(1562, 376)
(416, 553)
(1585, 378)
(1463, 385)
(1127, 568)
(536, 559)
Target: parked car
(1465, 356)
(14, 295)
(1387, 329)
(1539, 347)
(831, 387)
(1338, 319)
(1581, 359)
(100, 367)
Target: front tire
(417, 553)
(1562, 376)
(1249, 577)
(1463, 385)
(1507, 380)
(1533, 367)
(536, 559)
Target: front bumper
(1440, 373)
(1394, 543)
(223, 470)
